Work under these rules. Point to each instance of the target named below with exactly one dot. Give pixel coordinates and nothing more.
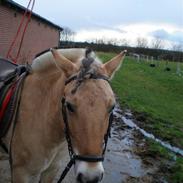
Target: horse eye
(70, 107)
(111, 108)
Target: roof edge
(22, 8)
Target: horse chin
(88, 172)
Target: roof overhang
(19, 7)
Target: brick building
(41, 34)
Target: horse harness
(12, 77)
(72, 154)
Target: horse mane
(76, 55)
(88, 69)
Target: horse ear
(63, 63)
(114, 64)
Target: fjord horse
(39, 132)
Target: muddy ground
(124, 160)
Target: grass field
(155, 97)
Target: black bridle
(73, 156)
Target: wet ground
(122, 164)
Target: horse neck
(47, 76)
(46, 95)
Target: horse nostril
(96, 180)
(102, 175)
(79, 177)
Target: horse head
(88, 103)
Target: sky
(120, 20)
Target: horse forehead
(95, 92)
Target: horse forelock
(88, 69)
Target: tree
(177, 47)
(142, 42)
(99, 41)
(112, 41)
(157, 43)
(67, 34)
(124, 42)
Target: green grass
(174, 173)
(156, 98)
(153, 92)
(155, 149)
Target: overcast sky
(119, 19)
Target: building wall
(38, 37)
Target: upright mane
(88, 69)
(76, 55)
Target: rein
(73, 156)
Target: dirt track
(122, 164)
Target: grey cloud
(176, 36)
(72, 13)
(101, 25)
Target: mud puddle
(122, 163)
(127, 118)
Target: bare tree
(67, 34)
(124, 42)
(157, 43)
(99, 41)
(142, 42)
(112, 41)
(177, 47)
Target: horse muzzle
(87, 172)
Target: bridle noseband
(73, 156)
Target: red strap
(6, 101)
(19, 31)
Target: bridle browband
(73, 156)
